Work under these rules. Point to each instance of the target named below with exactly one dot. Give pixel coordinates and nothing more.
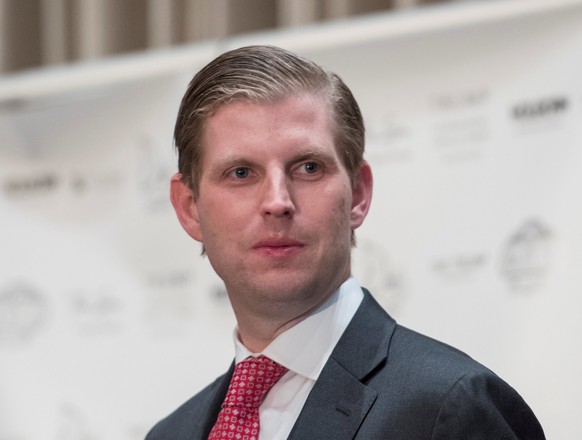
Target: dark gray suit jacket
(383, 381)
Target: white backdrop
(474, 128)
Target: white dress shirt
(304, 350)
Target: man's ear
(185, 206)
(361, 194)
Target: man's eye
(241, 172)
(311, 167)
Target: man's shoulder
(457, 390)
(426, 352)
(409, 350)
(429, 366)
(188, 418)
(443, 390)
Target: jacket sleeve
(481, 406)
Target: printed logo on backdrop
(66, 195)
(379, 274)
(29, 186)
(460, 267)
(526, 256)
(461, 123)
(23, 313)
(540, 113)
(96, 310)
(43, 183)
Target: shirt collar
(305, 347)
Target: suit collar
(340, 399)
(364, 344)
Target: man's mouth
(279, 246)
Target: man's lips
(278, 247)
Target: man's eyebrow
(313, 153)
(229, 162)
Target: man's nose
(277, 198)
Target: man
(273, 183)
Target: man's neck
(257, 330)
(256, 334)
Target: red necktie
(239, 417)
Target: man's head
(263, 74)
(272, 180)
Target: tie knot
(252, 380)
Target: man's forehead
(249, 98)
(300, 108)
(295, 126)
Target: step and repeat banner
(110, 318)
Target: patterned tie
(239, 417)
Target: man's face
(276, 206)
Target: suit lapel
(333, 411)
(340, 399)
(214, 405)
